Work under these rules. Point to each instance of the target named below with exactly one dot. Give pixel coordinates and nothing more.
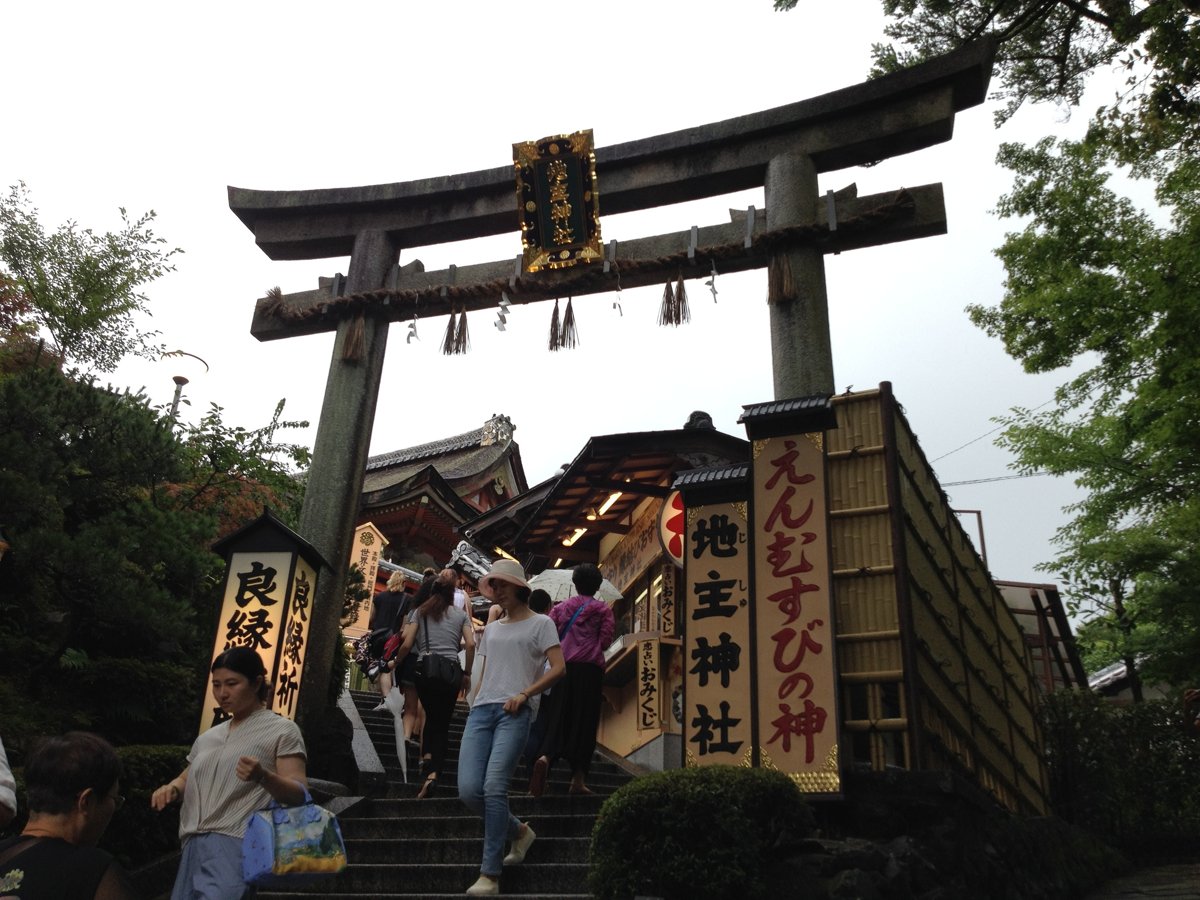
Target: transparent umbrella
(557, 583)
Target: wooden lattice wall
(934, 671)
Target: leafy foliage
(83, 289)
(695, 833)
(357, 592)
(234, 471)
(109, 595)
(1048, 48)
(1127, 774)
(1092, 279)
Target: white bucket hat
(502, 570)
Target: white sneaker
(520, 846)
(484, 887)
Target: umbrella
(557, 583)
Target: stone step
(522, 807)
(461, 827)
(465, 849)
(403, 847)
(375, 895)
(425, 879)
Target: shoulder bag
(432, 667)
(288, 845)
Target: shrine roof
(455, 458)
(615, 473)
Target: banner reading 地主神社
(718, 657)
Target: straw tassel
(781, 284)
(462, 340)
(682, 312)
(554, 327)
(448, 340)
(569, 336)
(666, 312)
(352, 349)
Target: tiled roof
(712, 475)
(496, 431)
(817, 402)
(426, 451)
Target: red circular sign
(671, 527)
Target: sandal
(427, 788)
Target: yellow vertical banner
(365, 553)
(649, 689)
(717, 656)
(797, 724)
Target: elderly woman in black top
(73, 787)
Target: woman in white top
(234, 769)
(514, 649)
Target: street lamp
(180, 381)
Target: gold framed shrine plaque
(557, 201)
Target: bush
(137, 834)
(1129, 774)
(697, 833)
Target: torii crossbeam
(783, 150)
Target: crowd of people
(530, 672)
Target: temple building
(420, 496)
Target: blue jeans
(491, 746)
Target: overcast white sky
(161, 106)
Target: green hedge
(1129, 774)
(703, 834)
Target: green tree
(83, 290)
(1092, 279)
(1048, 48)
(109, 595)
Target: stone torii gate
(782, 150)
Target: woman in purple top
(585, 628)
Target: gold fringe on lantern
(554, 334)
(352, 349)
(682, 312)
(448, 339)
(569, 336)
(462, 341)
(666, 312)
(781, 284)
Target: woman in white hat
(514, 651)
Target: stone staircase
(399, 846)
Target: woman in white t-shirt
(514, 649)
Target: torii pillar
(781, 149)
(801, 352)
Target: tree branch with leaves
(85, 291)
